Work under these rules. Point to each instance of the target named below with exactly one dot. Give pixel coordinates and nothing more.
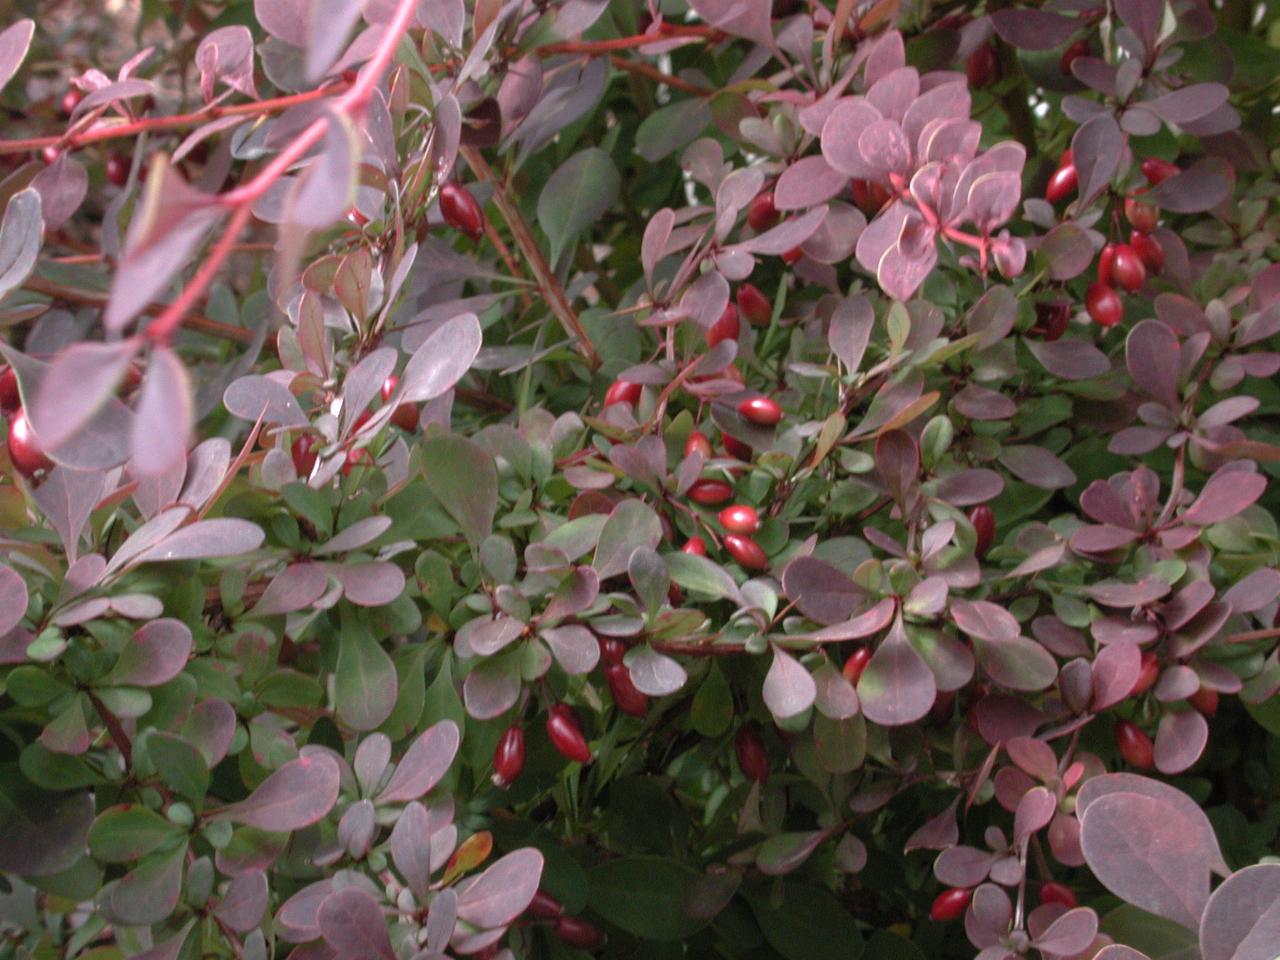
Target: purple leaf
(1228, 493)
(245, 901)
(424, 764)
(897, 687)
(1035, 810)
(938, 833)
(359, 534)
(257, 396)
(963, 866)
(63, 186)
(785, 236)
(840, 135)
(984, 620)
(162, 427)
(1067, 250)
(807, 182)
(209, 728)
(20, 236)
(1242, 920)
(501, 893)
(295, 588)
(1180, 740)
(653, 673)
(14, 43)
(1144, 18)
(574, 647)
(1097, 147)
(284, 19)
(1070, 934)
(226, 54)
(13, 599)
(1017, 663)
(297, 795)
(113, 93)
(785, 852)
(1153, 357)
(490, 689)
(1033, 29)
(463, 477)
(821, 591)
(1118, 951)
(446, 354)
(863, 625)
(410, 844)
(749, 19)
(1202, 187)
(898, 463)
(75, 386)
(330, 24)
(1115, 671)
(1070, 359)
(789, 688)
(1188, 103)
(1037, 466)
(154, 655)
(1149, 853)
(485, 637)
(206, 539)
(850, 330)
(1249, 595)
(323, 191)
(632, 524)
(352, 925)
(299, 917)
(656, 234)
(372, 584)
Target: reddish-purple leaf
(897, 687)
(1035, 810)
(984, 620)
(155, 654)
(1201, 187)
(1097, 147)
(963, 866)
(373, 584)
(295, 588)
(1227, 493)
(297, 795)
(244, 902)
(1242, 920)
(653, 673)
(1037, 466)
(749, 19)
(1070, 934)
(13, 599)
(1180, 740)
(410, 845)
(20, 236)
(209, 728)
(807, 182)
(1033, 29)
(226, 55)
(501, 893)
(14, 43)
(62, 186)
(789, 688)
(206, 539)
(257, 396)
(821, 591)
(574, 647)
(1115, 670)
(1153, 357)
(75, 386)
(352, 925)
(784, 852)
(424, 765)
(284, 19)
(162, 427)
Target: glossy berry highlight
(1135, 746)
(565, 733)
(461, 211)
(950, 905)
(984, 525)
(25, 451)
(746, 551)
(761, 212)
(710, 492)
(623, 690)
(508, 757)
(761, 410)
(622, 391)
(740, 518)
(1104, 305)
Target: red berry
(753, 758)
(792, 256)
(984, 525)
(1148, 249)
(950, 905)
(578, 933)
(508, 757)
(698, 441)
(982, 68)
(726, 328)
(1071, 55)
(762, 410)
(625, 695)
(1135, 746)
(1205, 700)
(695, 546)
(1157, 171)
(1051, 319)
(1062, 184)
(740, 518)
(354, 459)
(1144, 216)
(117, 170)
(566, 733)
(869, 197)
(70, 100)
(1148, 674)
(746, 551)
(460, 210)
(1106, 262)
(1127, 269)
(710, 492)
(753, 305)
(24, 448)
(304, 453)
(622, 391)
(49, 155)
(1051, 892)
(761, 213)
(856, 663)
(736, 448)
(10, 398)
(544, 906)
(1104, 305)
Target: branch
(549, 286)
(651, 72)
(114, 728)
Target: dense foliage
(709, 478)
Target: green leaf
(712, 709)
(884, 945)
(807, 923)
(644, 896)
(700, 575)
(632, 524)
(365, 681)
(411, 692)
(463, 477)
(311, 505)
(669, 128)
(179, 764)
(576, 195)
(128, 832)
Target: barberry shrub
(708, 478)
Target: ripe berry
(698, 441)
(736, 448)
(625, 695)
(982, 68)
(761, 213)
(622, 391)
(304, 453)
(740, 518)
(1205, 700)
(695, 546)
(1071, 55)
(1148, 674)
(753, 305)
(460, 210)
(762, 410)
(406, 414)
(578, 933)
(544, 906)
(1104, 305)
(1051, 892)
(753, 758)
(24, 448)
(70, 100)
(856, 663)
(1150, 252)
(612, 650)
(354, 459)
(1062, 184)
(10, 398)
(746, 551)
(508, 757)
(726, 328)
(1127, 269)
(1141, 214)
(1135, 746)
(1157, 171)
(950, 905)
(792, 256)
(566, 733)
(710, 492)
(117, 170)
(1106, 261)
(984, 525)
(869, 197)
(1051, 319)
